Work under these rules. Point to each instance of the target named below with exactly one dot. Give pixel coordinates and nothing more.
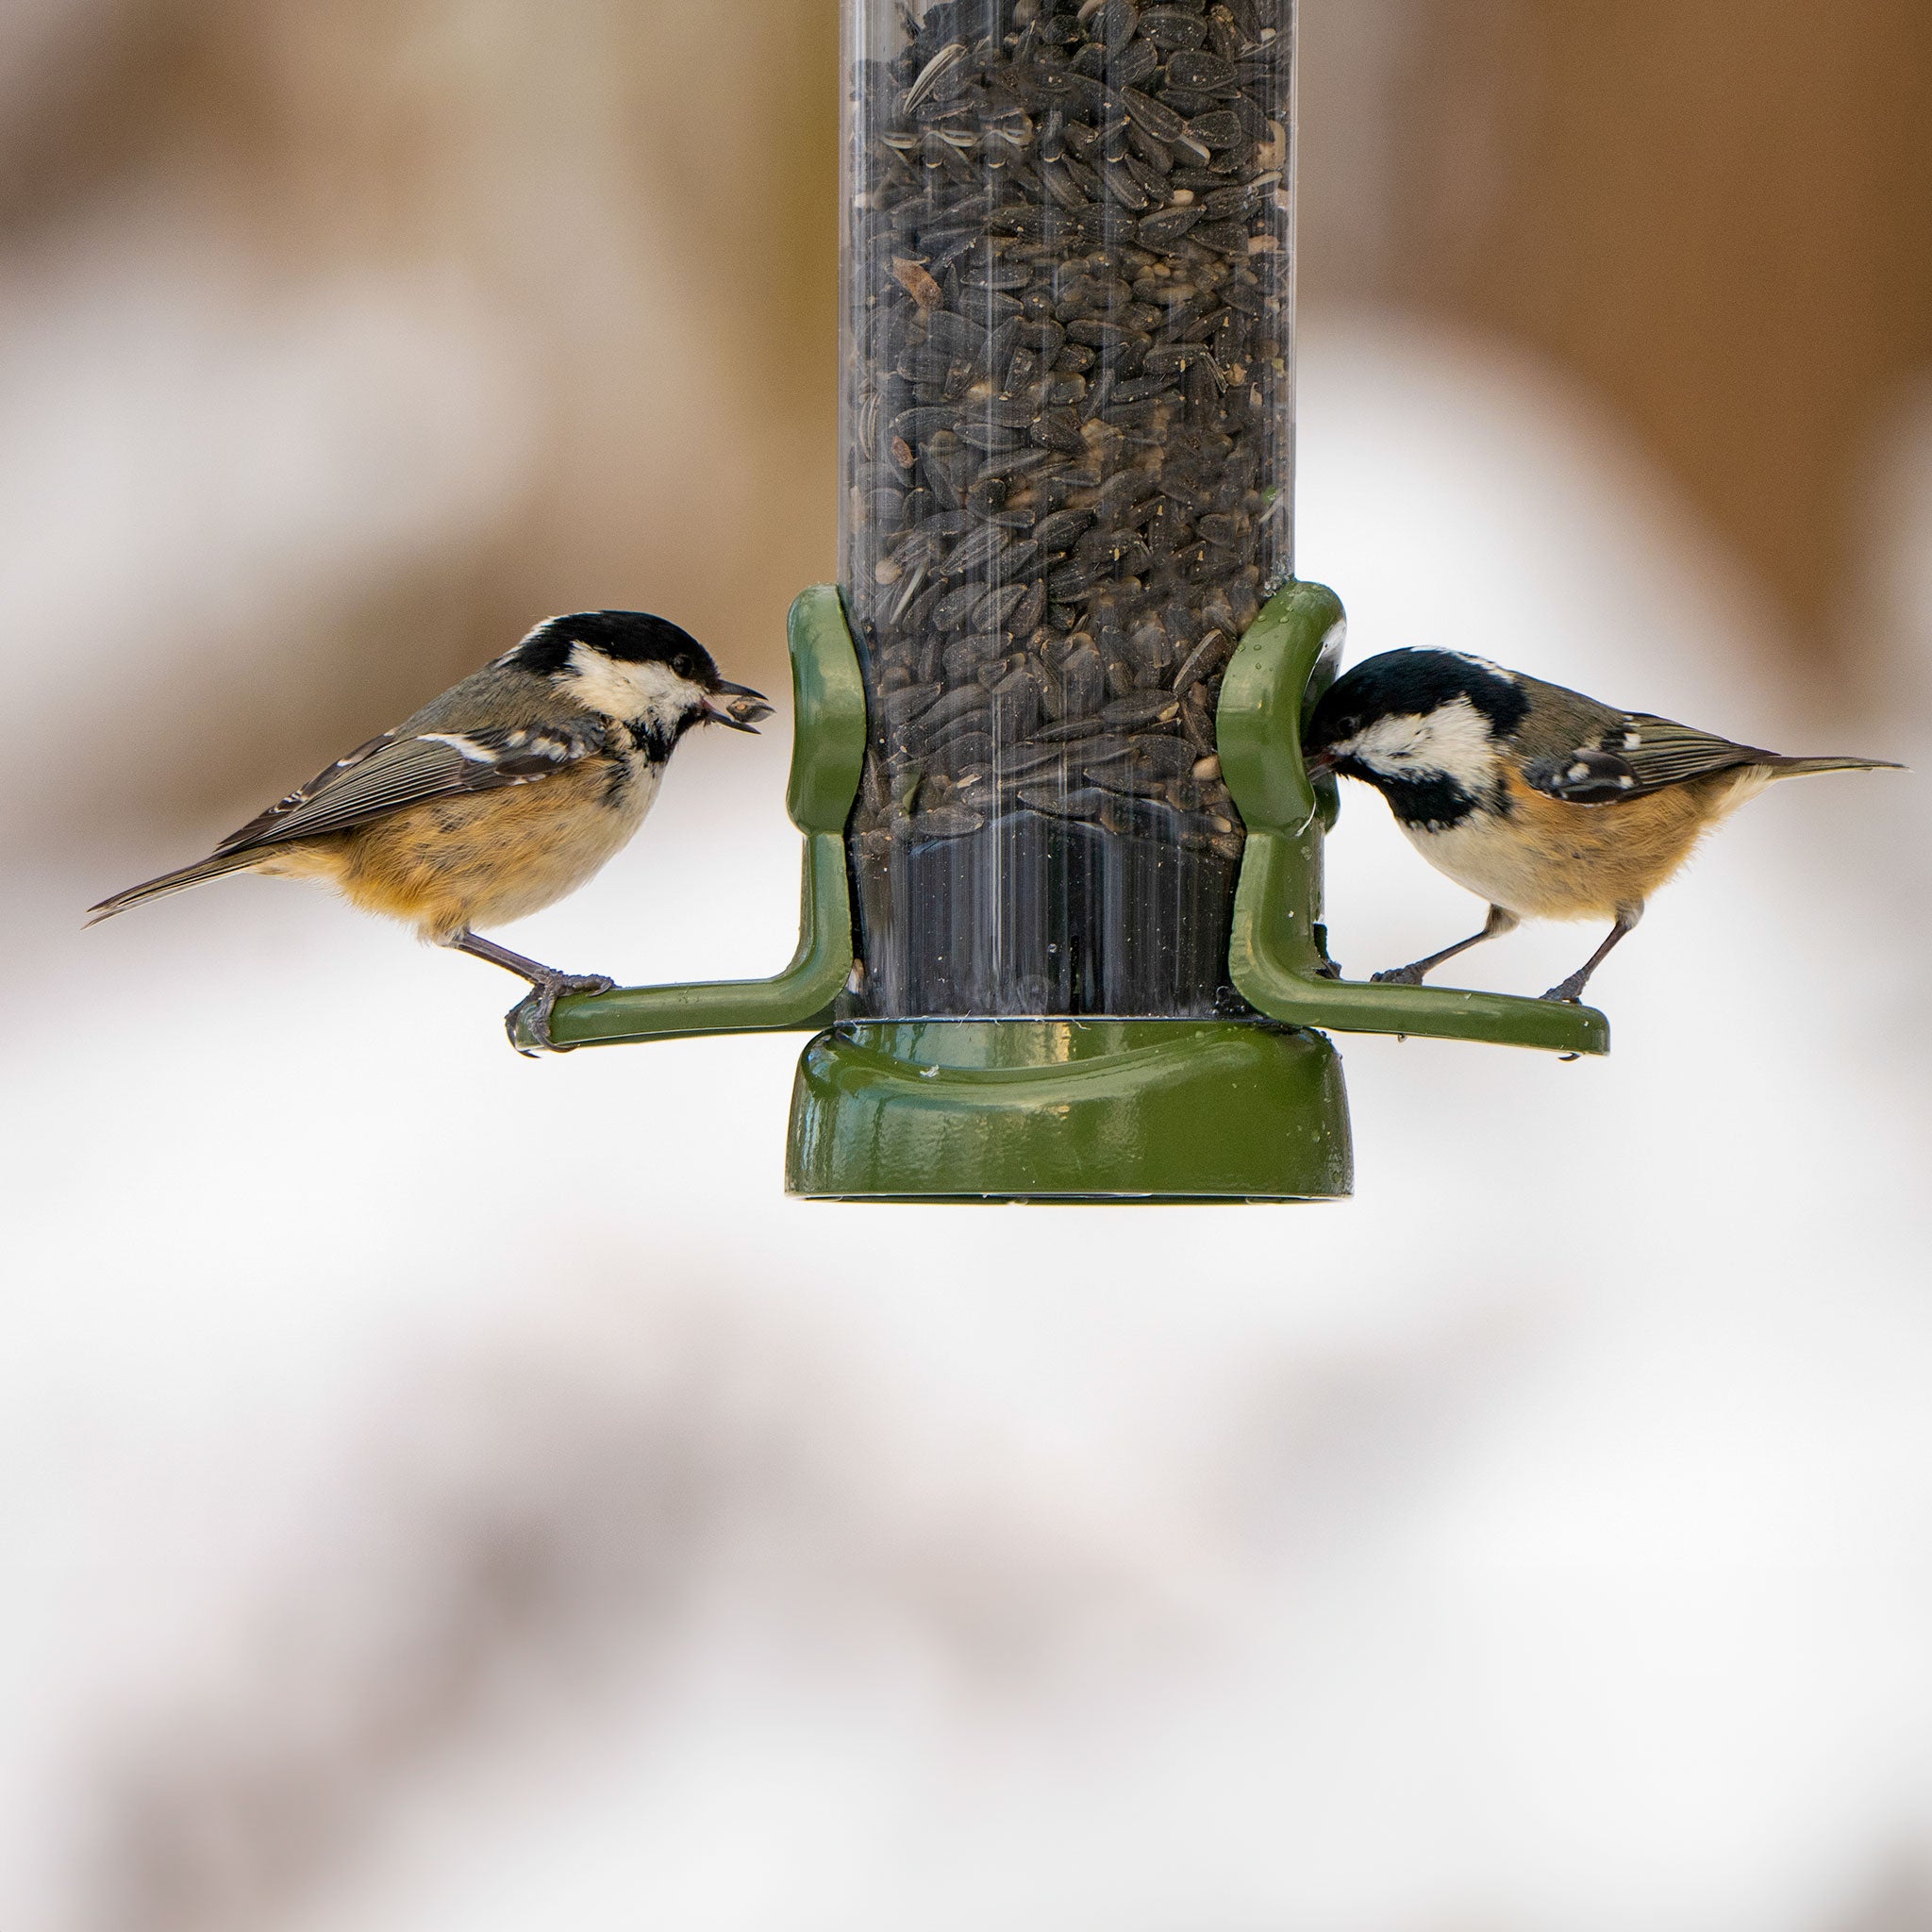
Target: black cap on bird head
(1412, 684)
(639, 638)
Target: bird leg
(1498, 923)
(1570, 992)
(547, 986)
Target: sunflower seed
(901, 707)
(946, 821)
(1087, 802)
(1203, 72)
(1155, 751)
(933, 73)
(1219, 129)
(962, 751)
(1160, 121)
(1144, 707)
(1207, 657)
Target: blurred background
(441, 1492)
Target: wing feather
(1664, 753)
(1639, 755)
(394, 772)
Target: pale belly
(1498, 864)
(1549, 860)
(493, 858)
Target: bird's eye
(682, 664)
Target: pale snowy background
(445, 1493)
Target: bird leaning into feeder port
(498, 798)
(1544, 802)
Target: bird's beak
(743, 709)
(1320, 764)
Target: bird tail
(173, 882)
(1798, 768)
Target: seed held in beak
(743, 709)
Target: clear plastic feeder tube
(1068, 447)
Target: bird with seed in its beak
(498, 798)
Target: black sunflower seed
(1133, 64)
(1207, 657)
(1114, 24)
(962, 752)
(1154, 117)
(1219, 129)
(1202, 73)
(1085, 802)
(1144, 707)
(954, 607)
(1169, 28)
(1125, 187)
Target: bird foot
(527, 1022)
(1399, 975)
(1570, 993)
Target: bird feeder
(1061, 934)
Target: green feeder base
(1069, 1110)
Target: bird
(497, 798)
(1548, 803)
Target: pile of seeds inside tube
(1068, 436)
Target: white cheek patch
(1384, 743)
(1452, 738)
(627, 691)
(1461, 743)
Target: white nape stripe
(1495, 670)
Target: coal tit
(499, 797)
(1545, 802)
